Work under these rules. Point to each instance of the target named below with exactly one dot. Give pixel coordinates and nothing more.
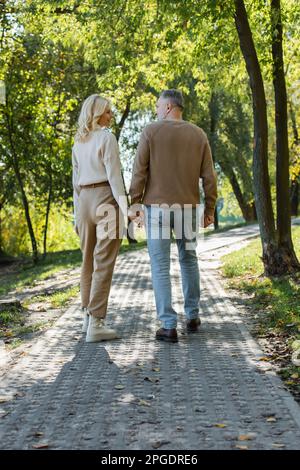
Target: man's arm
(140, 170)
(208, 175)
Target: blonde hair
(92, 109)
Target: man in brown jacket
(172, 155)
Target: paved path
(209, 391)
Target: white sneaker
(86, 318)
(98, 332)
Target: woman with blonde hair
(99, 209)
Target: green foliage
(54, 53)
(15, 237)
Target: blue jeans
(160, 223)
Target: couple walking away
(172, 155)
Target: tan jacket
(171, 157)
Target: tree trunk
(294, 190)
(1, 241)
(47, 214)
(263, 201)
(23, 193)
(214, 112)
(27, 215)
(248, 210)
(289, 261)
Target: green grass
(225, 228)
(244, 262)
(10, 316)
(277, 298)
(29, 274)
(15, 343)
(58, 299)
(39, 326)
(15, 332)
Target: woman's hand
(132, 215)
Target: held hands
(137, 216)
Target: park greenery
(236, 62)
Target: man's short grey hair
(175, 96)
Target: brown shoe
(168, 335)
(192, 326)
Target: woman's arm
(76, 188)
(112, 164)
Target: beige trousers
(98, 223)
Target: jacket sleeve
(76, 187)
(140, 170)
(209, 179)
(111, 159)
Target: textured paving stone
(206, 392)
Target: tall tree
(286, 254)
(261, 178)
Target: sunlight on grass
(277, 298)
(56, 300)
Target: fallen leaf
(278, 446)
(265, 359)
(143, 403)
(158, 444)
(41, 445)
(5, 398)
(245, 437)
(271, 419)
(295, 376)
(242, 447)
(220, 425)
(119, 387)
(156, 369)
(151, 379)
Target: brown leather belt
(95, 185)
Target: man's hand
(135, 211)
(136, 216)
(208, 219)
